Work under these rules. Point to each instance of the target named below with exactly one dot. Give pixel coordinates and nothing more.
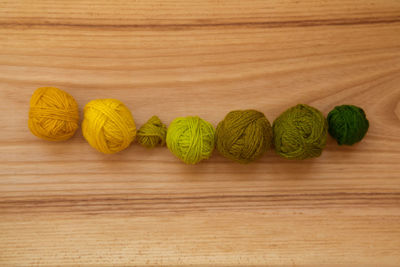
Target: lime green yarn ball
(243, 135)
(300, 132)
(191, 139)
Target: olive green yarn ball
(300, 132)
(243, 135)
(347, 124)
(152, 133)
(191, 139)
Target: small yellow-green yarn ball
(191, 139)
(243, 135)
(108, 125)
(153, 133)
(53, 114)
(300, 132)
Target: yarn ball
(191, 139)
(347, 124)
(108, 125)
(300, 132)
(243, 135)
(152, 133)
(53, 114)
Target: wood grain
(64, 204)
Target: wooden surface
(64, 204)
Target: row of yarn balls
(243, 135)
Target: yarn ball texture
(191, 139)
(53, 114)
(347, 124)
(153, 133)
(108, 125)
(243, 135)
(300, 132)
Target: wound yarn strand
(53, 114)
(191, 139)
(243, 136)
(347, 124)
(300, 132)
(153, 133)
(108, 125)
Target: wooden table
(64, 204)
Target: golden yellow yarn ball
(53, 114)
(108, 125)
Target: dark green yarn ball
(300, 132)
(347, 124)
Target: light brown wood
(64, 204)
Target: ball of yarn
(53, 114)
(347, 124)
(108, 125)
(243, 135)
(191, 139)
(300, 132)
(152, 133)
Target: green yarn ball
(300, 132)
(191, 139)
(347, 124)
(243, 135)
(152, 133)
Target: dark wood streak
(188, 26)
(140, 210)
(333, 195)
(176, 204)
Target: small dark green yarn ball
(243, 135)
(347, 124)
(300, 132)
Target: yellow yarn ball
(53, 114)
(108, 125)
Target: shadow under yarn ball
(53, 114)
(347, 124)
(243, 135)
(108, 125)
(300, 132)
(191, 139)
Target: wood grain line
(236, 25)
(183, 204)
